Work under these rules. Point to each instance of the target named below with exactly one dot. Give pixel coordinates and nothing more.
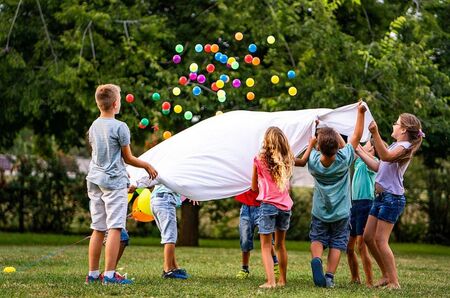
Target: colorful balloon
(165, 112)
(166, 135)
(193, 76)
(141, 210)
(214, 87)
(165, 105)
(156, 96)
(235, 65)
(207, 48)
(144, 121)
(214, 48)
(221, 93)
(176, 91)
(252, 48)
(238, 36)
(231, 60)
(177, 109)
(250, 95)
(249, 82)
(176, 59)
(217, 56)
(129, 98)
(275, 79)
(201, 79)
(188, 115)
(183, 80)
(291, 74)
(270, 39)
(224, 78)
(248, 58)
(179, 48)
(219, 113)
(292, 91)
(193, 67)
(210, 68)
(223, 59)
(236, 83)
(198, 48)
(256, 61)
(196, 90)
(220, 84)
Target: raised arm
(255, 179)
(301, 162)
(359, 126)
(383, 152)
(130, 159)
(367, 158)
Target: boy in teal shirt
(330, 166)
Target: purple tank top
(390, 174)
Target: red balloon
(183, 80)
(214, 87)
(129, 98)
(210, 68)
(207, 48)
(141, 126)
(165, 105)
(248, 58)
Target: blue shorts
(271, 218)
(331, 234)
(359, 214)
(124, 238)
(248, 221)
(388, 207)
(165, 214)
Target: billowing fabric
(214, 158)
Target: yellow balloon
(292, 91)
(193, 67)
(166, 135)
(220, 84)
(250, 82)
(144, 202)
(177, 109)
(231, 60)
(136, 214)
(221, 93)
(239, 36)
(176, 91)
(130, 196)
(275, 79)
(9, 270)
(270, 39)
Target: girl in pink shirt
(272, 170)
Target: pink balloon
(201, 79)
(192, 76)
(176, 59)
(236, 83)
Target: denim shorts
(271, 218)
(331, 234)
(165, 214)
(359, 214)
(124, 238)
(248, 221)
(388, 207)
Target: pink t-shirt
(269, 192)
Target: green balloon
(165, 112)
(222, 99)
(156, 96)
(188, 115)
(179, 48)
(144, 121)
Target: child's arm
(371, 163)
(340, 141)
(359, 126)
(383, 152)
(255, 179)
(301, 162)
(130, 159)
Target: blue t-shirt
(107, 169)
(363, 183)
(332, 197)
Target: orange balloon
(136, 214)
(250, 95)
(256, 61)
(214, 48)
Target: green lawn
(424, 270)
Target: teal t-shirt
(363, 183)
(332, 196)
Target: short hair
(328, 141)
(106, 95)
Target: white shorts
(108, 207)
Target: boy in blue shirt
(330, 165)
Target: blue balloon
(198, 48)
(217, 56)
(197, 90)
(252, 48)
(223, 59)
(224, 78)
(291, 74)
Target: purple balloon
(236, 83)
(192, 76)
(201, 79)
(176, 59)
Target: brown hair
(413, 128)
(328, 141)
(277, 155)
(106, 95)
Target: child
(107, 183)
(272, 169)
(363, 193)
(331, 199)
(390, 200)
(124, 242)
(248, 221)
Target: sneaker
(317, 272)
(117, 279)
(242, 274)
(176, 274)
(329, 281)
(91, 279)
(276, 270)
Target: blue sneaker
(91, 279)
(329, 280)
(317, 271)
(117, 279)
(176, 274)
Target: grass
(48, 266)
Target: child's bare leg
(280, 244)
(352, 259)
(169, 256)
(112, 249)
(121, 249)
(334, 255)
(365, 260)
(266, 247)
(316, 249)
(384, 230)
(369, 239)
(95, 249)
(245, 258)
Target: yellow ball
(166, 135)
(176, 91)
(270, 39)
(292, 91)
(177, 109)
(9, 270)
(239, 36)
(275, 79)
(250, 82)
(220, 84)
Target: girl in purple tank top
(390, 200)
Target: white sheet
(213, 159)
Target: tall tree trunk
(189, 225)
